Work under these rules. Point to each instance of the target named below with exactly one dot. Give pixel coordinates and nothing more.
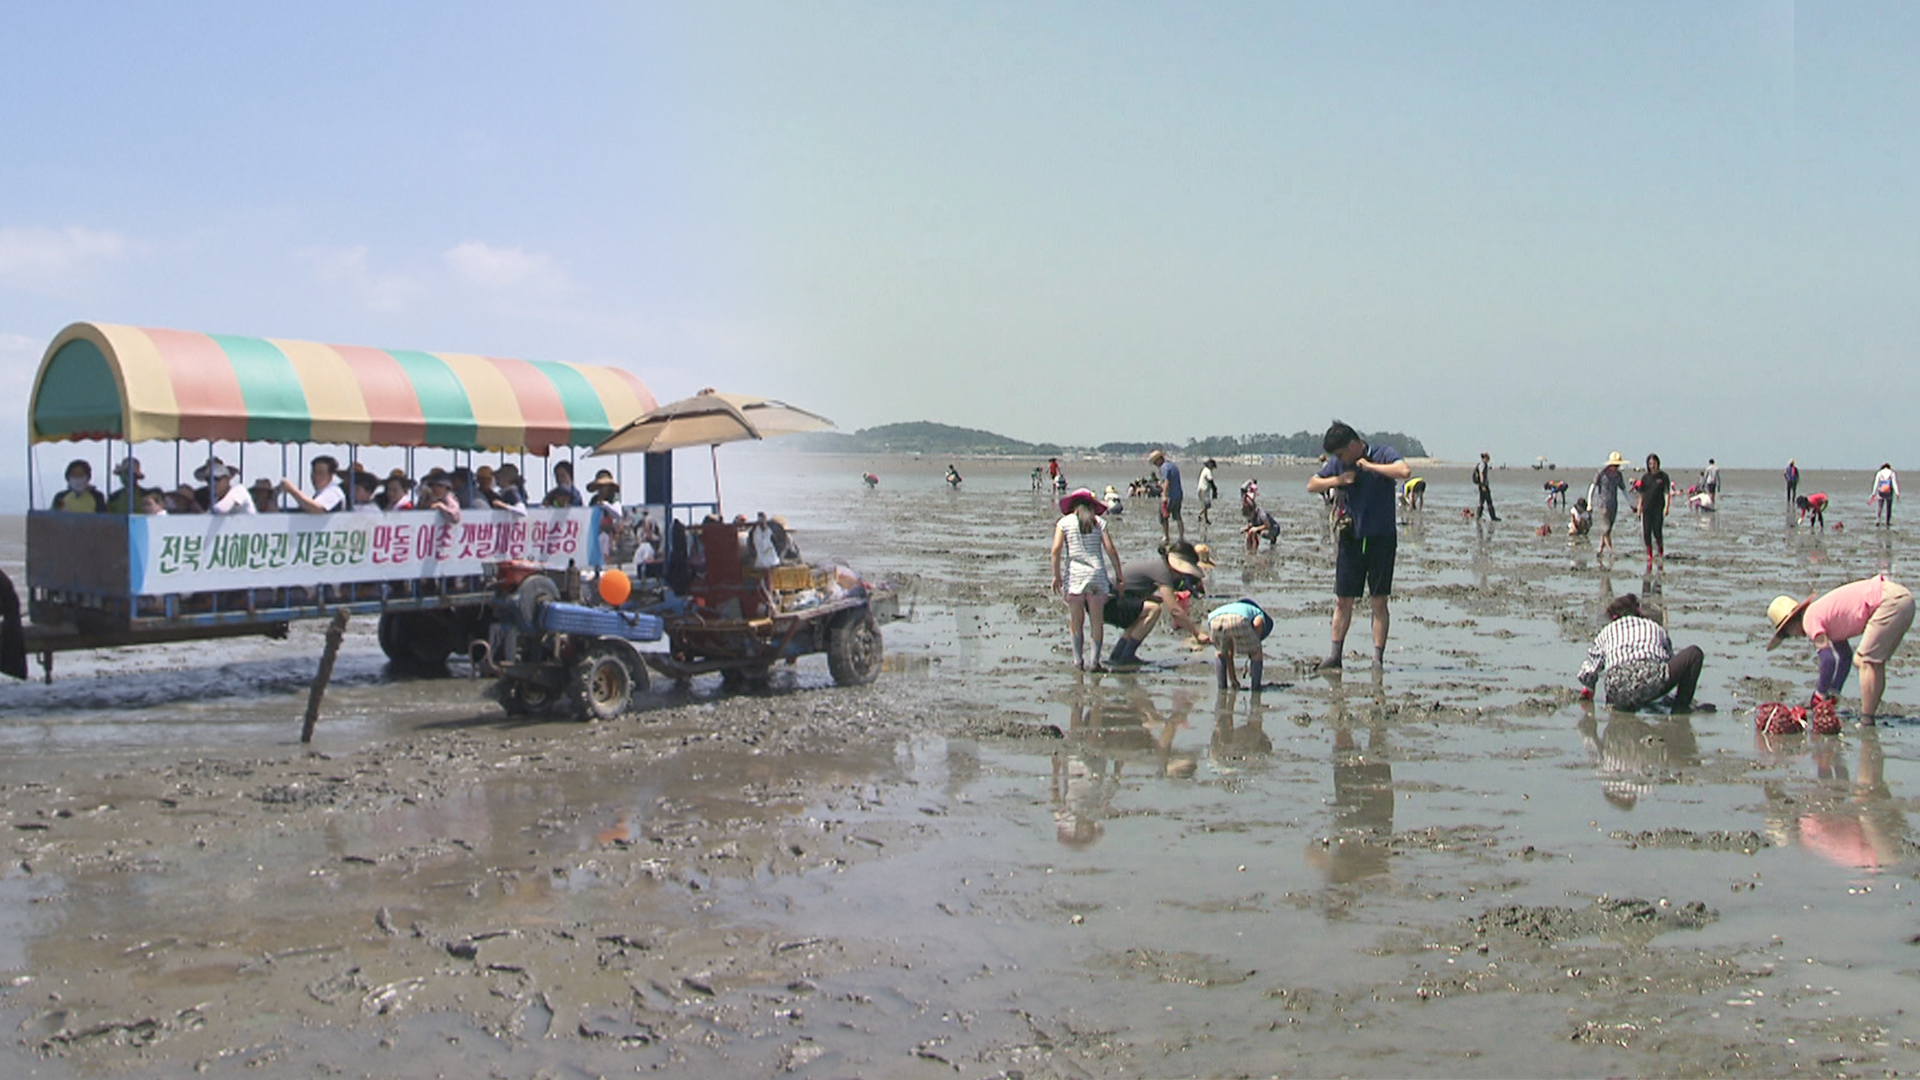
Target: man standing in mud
(1366, 543)
(1483, 480)
(1171, 496)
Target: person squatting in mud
(1238, 629)
(1367, 476)
(1147, 590)
(1637, 659)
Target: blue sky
(1529, 228)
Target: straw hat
(604, 478)
(214, 468)
(1205, 555)
(1781, 614)
(1081, 495)
(1614, 459)
(1184, 560)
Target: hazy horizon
(1531, 229)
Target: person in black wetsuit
(1656, 500)
(1483, 480)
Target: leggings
(1653, 530)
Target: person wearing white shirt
(327, 497)
(228, 497)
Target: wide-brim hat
(1081, 495)
(131, 465)
(1181, 565)
(437, 478)
(262, 484)
(215, 468)
(1206, 555)
(1614, 458)
(604, 478)
(1781, 614)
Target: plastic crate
(560, 618)
(789, 578)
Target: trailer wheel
(602, 683)
(417, 640)
(522, 697)
(854, 650)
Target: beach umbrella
(708, 419)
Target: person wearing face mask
(1085, 570)
(80, 495)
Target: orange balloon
(615, 588)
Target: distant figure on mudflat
(1209, 491)
(1792, 474)
(1483, 480)
(953, 477)
(1813, 509)
(873, 481)
(1413, 493)
(1604, 497)
(1886, 488)
(1580, 521)
(1171, 495)
(1656, 502)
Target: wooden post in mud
(336, 630)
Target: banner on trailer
(205, 552)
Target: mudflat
(989, 864)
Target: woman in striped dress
(1086, 569)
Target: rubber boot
(1256, 665)
(1080, 650)
(1220, 675)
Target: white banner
(207, 552)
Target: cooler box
(561, 618)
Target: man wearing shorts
(1878, 610)
(1171, 495)
(1368, 476)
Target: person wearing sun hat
(1875, 609)
(1604, 497)
(1149, 588)
(1085, 568)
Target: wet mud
(988, 864)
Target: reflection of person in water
(1358, 844)
(1105, 731)
(1083, 786)
(1862, 828)
(1631, 755)
(1236, 741)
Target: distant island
(926, 437)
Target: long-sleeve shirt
(1627, 650)
(1885, 482)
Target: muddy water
(988, 864)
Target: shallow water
(1308, 881)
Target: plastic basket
(789, 578)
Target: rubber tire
(416, 640)
(854, 650)
(524, 698)
(601, 684)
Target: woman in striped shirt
(1638, 661)
(1089, 571)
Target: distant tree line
(926, 437)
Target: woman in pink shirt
(1877, 610)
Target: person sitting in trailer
(563, 494)
(153, 504)
(263, 493)
(506, 490)
(606, 493)
(228, 497)
(80, 496)
(366, 492)
(183, 500)
(327, 498)
(437, 494)
(397, 492)
(131, 493)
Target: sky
(1535, 229)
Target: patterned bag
(1823, 715)
(1779, 718)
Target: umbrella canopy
(710, 418)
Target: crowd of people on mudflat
(1631, 662)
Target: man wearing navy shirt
(1364, 563)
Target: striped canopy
(100, 381)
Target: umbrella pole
(713, 452)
